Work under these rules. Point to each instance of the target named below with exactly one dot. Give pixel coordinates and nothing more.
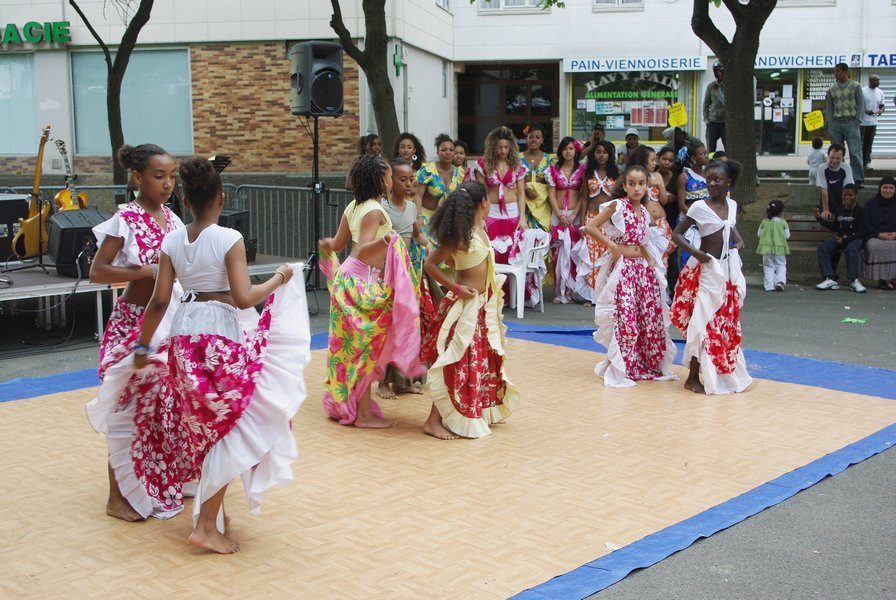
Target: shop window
(776, 111)
(509, 5)
(816, 83)
(621, 100)
(511, 95)
(155, 101)
(618, 5)
(19, 132)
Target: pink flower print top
(492, 180)
(141, 233)
(627, 227)
(557, 178)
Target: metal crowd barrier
(280, 217)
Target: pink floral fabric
(120, 335)
(210, 384)
(147, 232)
(640, 330)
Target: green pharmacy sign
(33, 32)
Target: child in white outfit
(773, 235)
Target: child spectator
(832, 178)
(849, 226)
(815, 160)
(773, 235)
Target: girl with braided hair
(373, 304)
(465, 345)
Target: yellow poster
(678, 116)
(813, 120)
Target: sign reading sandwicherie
(33, 32)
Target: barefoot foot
(694, 386)
(384, 391)
(214, 541)
(373, 422)
(120, 509)
(437, 430)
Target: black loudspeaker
(71, 236)
(239, 220)
(315, 70)
(12, 208)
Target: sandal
(890, 285)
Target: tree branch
(129, 39)
(345, 38)
(737, 10)
(706, 30)
(95, 35)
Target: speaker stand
(40, 244)
(318, 189)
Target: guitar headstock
(60, 145)
(46, 134)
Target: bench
(806, 232)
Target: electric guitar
(31, 239)
(66, 199)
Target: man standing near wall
(844, 108)
(874, 107)
(714, 109)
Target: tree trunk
(383, 99)
(116, 134)
(739, 125)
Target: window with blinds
(508, 4)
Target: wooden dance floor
(578, 471)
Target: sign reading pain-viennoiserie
(33, 32)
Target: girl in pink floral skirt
(629, 311)
(235, 376)
(129, 245)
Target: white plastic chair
(533, 260)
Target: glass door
(775, 111)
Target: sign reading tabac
(33, 32)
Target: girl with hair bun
(711, 288)
(374, 309)
(235, 376)
(504, 177)
(465, 345)
(129, 245)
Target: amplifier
(12, 208)
(71, 232)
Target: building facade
(213, 77)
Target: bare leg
(366, 418)
(118, 506)
(693, 381)
(206, 534)
(433, 426)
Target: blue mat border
(603, 572)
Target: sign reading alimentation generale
(33, 32)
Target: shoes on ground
(828, 284)
(857, 286)
(779, 287)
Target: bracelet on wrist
(146, 349)
(281, 274)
